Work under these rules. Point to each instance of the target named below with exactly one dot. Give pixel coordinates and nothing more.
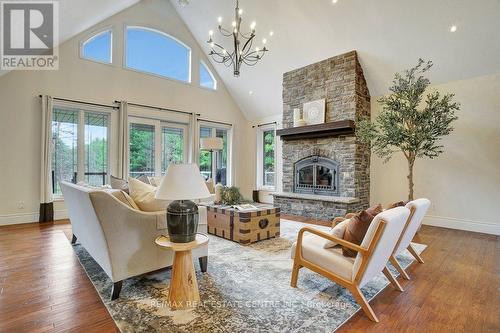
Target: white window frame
(204, 64)
(158, 126)
(260, 158)
(112, 133)
(214, 127)
(154, 30)
(93, 36)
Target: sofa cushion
(330, 259)
(144, 196)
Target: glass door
(154, 144)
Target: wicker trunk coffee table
(244, 227)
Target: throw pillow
(337, 231)
(397, 204)
(337, 220)
(144, 196)
(210, 185)
(119, 184)
(375, 210)
(155, 181)
(356, 231)
(144, 179)
(124, 198)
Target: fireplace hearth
(316, 175)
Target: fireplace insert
(316, 175)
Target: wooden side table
(183, 291)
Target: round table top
(164, 241)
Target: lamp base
(182, 221)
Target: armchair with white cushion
(418, 208)
(352, 273)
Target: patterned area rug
(246, 289)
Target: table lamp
(212, 144)
(182, 183)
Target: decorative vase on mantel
(298, 118)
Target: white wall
(20, 115)
(463, 183)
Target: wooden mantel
(336, 128)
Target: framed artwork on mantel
(314, 112)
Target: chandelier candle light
(243, 53)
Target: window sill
(267, 188)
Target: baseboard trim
(462, 224)
(11, 219)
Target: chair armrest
(332, 238)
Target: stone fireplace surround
(341, 82)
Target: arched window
(99, 47)
(152, 51)
(207, 79)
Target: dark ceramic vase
(182, 221)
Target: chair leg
(203, 263)
(295, 275)
(392, 280)
(356, 292)
(398, 267)
(115, 292)
(415, 254)
(73, 239)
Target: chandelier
(244, 52)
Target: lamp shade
(182, 182)
(211, 144)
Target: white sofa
(118, 237)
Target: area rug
(246, 289)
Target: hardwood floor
(43, 288)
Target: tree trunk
(411, 162)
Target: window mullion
(80, 170)
(158, 147)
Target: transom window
(99, 47)
(155, 52)
(207, 79)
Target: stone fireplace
(325, 168)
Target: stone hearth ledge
(315, 197)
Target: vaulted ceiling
(389, 35)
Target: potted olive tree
(410, 121)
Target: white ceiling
(389, 35)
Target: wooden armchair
(418, 208)
(352, 273)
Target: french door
(216, 165)
(81, 149)
(154, 144)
